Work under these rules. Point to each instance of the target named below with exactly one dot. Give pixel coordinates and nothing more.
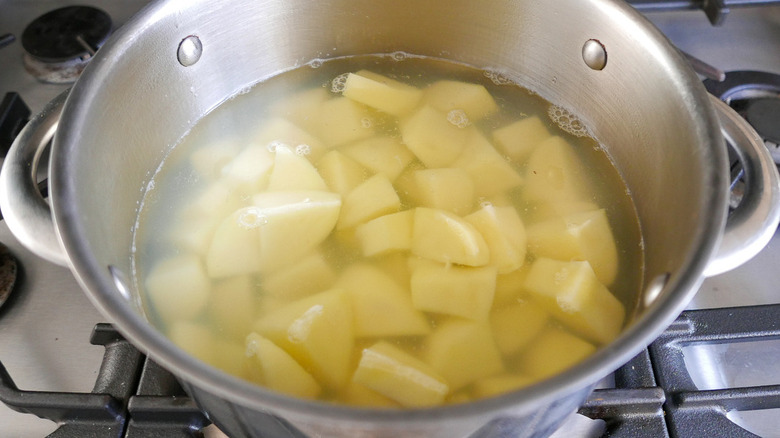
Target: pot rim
(97, 283)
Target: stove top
(46, 325)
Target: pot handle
(750, 227)
(26, 212)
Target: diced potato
(463, 352)
(230, 357)
(235, 246)
(308, 276)
(317, 332)
(543, 211)
(291, 224)
(249, 170)
(194, 233)
(293, 172)
(178, 287)
(431, 138)
(444, 237)
(373, 198)
(273, 368)
(571, 292)
(385, 155)
(380, 306)
(400, 376)
(342, 120)
(517, 140)
(195, 339)
(391, 232)
(356, 394)
(554, 173)
(473, 99)
(448, 189)
(397, 267)
(277, 131)
(341, 173)
(501, 384)
(504, 233)
(515, 325)
(383, 94)
(492, 174)
(302, 108)
(454, 290)
(510, 287)
(231, 306)
(208, 161)
(552, 352)
(578, 236)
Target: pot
(175, 61)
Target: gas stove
(713, 373)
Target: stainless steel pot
(177, 60)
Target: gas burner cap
(755, 96)
(60, 43)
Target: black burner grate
(654, 396)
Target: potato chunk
(578, 236)
(473, 99)
(504, 233)
(381, 93)
(448, 189)
(571, 292)
(235, 246)
(554, 173)
(317, 332)
(433, 140)
(279, 131)
(342, 120)
(463, 352)
(517, 324)
(454, 290)
(250, 168)
(385, 155)
(273, 368)
(518, 139)
(444, 237)
(178, 287)
(400, 376)
(291, 224)
(292, 171)
(491, 173)
(379, 305)
(373, 198)
(391, 232)
(231, 307)
(311, 274)
(341, 173)
(554, 351)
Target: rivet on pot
(594, 54)
(120, 281)
(190, 50)
(654, 288)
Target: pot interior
(136, 100)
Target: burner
(60, 43)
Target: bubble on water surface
(366, 122)
(303, 150)
(567, 121)
(498, 78)
(315, 63)
(458, 118)
(399, 56)
(252, 217)
(275, 144)
(338, 83)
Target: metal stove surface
(45, 325)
